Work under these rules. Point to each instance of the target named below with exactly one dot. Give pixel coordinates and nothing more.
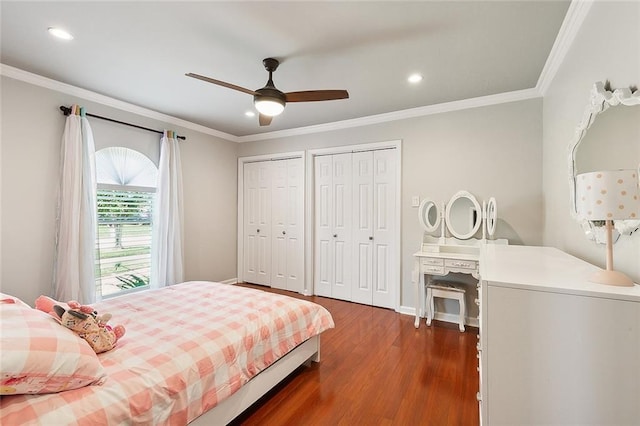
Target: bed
(197, 352)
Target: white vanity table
(436, 259)
(458, 254)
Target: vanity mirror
(463, 215)
(491, 216)
(429, 215)
(583, 156)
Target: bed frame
(258, 386)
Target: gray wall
(607, 47)
(488, 151)
(32, 129)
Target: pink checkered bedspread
(187, 348)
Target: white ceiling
(138, 52)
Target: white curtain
(166, 246)
(74, 276)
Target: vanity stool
(446, 290)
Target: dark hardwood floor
(377, 369)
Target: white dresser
(555, 349)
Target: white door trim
(253, 159)
(310, 207)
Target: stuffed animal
(86, 323)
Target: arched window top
(126, 167)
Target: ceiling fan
(269, 101)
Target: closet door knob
(335, 235)
(370, 238)
(284, 233)
(258, 231)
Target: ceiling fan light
(414, 78)
(269, 106)
(60, 33)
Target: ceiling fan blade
(264, 120)
(221, 83)
(316, 95)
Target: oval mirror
(597, 151)
(492, 216)
(428, 215)
(464, 215)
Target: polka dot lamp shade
(612, 195)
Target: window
(125, 193)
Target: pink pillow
(6, 299)
(41, 356)
(45, 304)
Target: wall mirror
(609, 143)
(492, 216)
(429, 215)
(463, 215)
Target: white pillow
(39, 355)
(5, 298)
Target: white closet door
(295, 225)
(287, 225)
(250, 261)
(385, 240)
(363, 232)
(257, 226)
(279, 203)
(356, 240)
(323, 245)
(342, 220)
(333, 181)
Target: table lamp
(609, 196)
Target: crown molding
(576, 14)
(500, 98)
(38, 80)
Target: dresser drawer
(461, 264)
(431, 269)
(432, 265)
(432, 261)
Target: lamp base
(611, 278)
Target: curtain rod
(67, 111)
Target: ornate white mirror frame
(451, 210)
(601, 99)
(492, 216)
(429, 215)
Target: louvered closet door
(287, 225)
(333, 181)
(257, 223)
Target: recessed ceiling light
(414, 78)
(250, 114)
(60, 33)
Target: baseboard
(229, 281)
(441, 316)
(407, 310)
